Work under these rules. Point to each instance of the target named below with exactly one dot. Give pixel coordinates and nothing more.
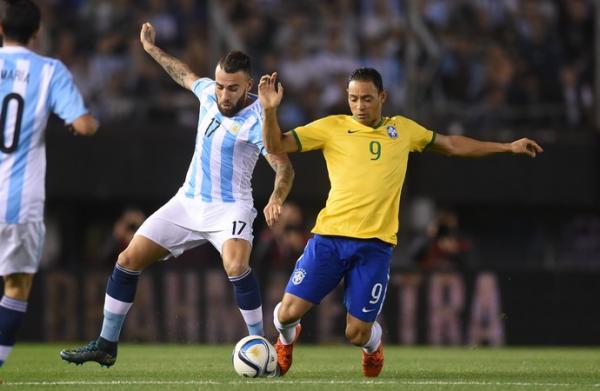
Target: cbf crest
(298, 276)
(392, 132)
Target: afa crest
(392, 131)
(235, 128)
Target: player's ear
(250, 84)
(383, 96)
(35, 34)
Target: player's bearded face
(365, 102)
(231, 91)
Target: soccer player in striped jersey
(214, 204)
(367, 156)
(31, 87)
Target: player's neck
(247, 101)
(377, 123)
(372, 124)
(8, 42)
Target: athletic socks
(120, 293)
(122, 285)
(373, 342)
(287, 332)
(12, 312)
(247, 295)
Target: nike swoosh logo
(366, 310)
(353, 131)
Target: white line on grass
(292, 382)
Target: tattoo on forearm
(284, 178)
(175, 68)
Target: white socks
(373, 342)
(287, 332)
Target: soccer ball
(254, 356)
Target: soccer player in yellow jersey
(366, 155)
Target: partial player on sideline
(31, 88)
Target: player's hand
(272, 212)
(147, 35)
(270, 91)
(525, 146)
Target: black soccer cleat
(101, 351)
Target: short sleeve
(312, 136)
(199, 85)
(64, 96)
(255, 136)
(420, 137)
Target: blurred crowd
(526, 61)
(442, 247)
(459, 65)
(463, 64)
(99, 41)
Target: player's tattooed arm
(284, 178)
(178, 70)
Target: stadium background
(504, 250)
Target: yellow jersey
(366, 166)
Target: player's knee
(128, 261)
(287, 314)
(357, 336)
(235, 268)
(18, 286)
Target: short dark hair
(20, 20)
(367, 74)
(235, 61)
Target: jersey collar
(14, 49)
(383, 119)
(253, 103)
(380, 122)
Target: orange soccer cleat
(284, 352)
(373, 363)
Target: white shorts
(183, 224)
(21, 247)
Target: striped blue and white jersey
(226, 151)
(31, 86)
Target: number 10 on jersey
(19, 105)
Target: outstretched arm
(284, 177)
(178, 71)
(469, 147)
(270, 98)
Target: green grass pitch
(206, 367)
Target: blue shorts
(363, 264)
